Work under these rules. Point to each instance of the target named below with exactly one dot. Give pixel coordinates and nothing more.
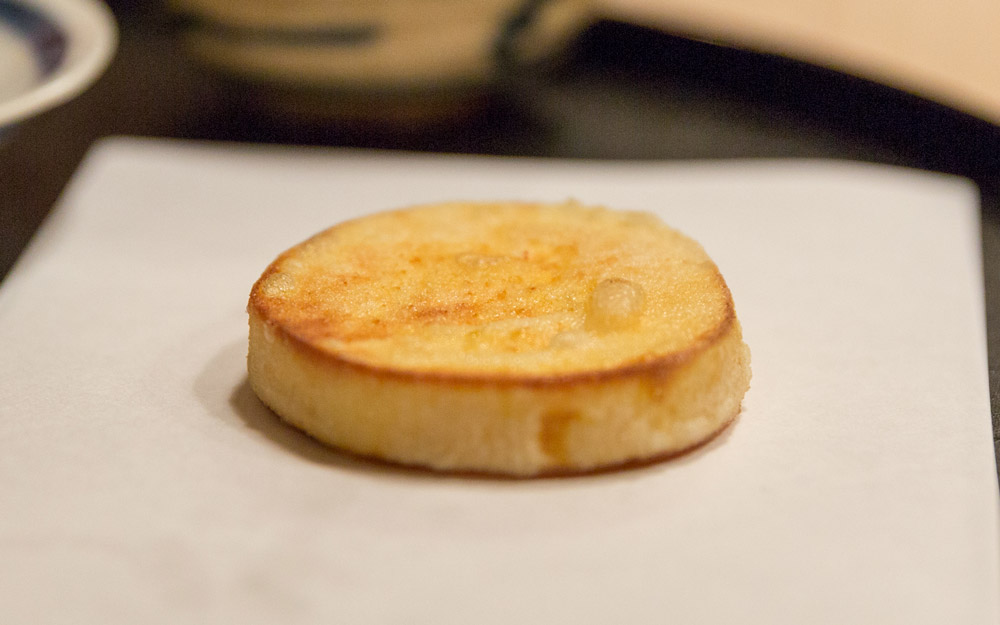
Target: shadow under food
(258, 417)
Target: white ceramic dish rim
(91, 38)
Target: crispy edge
(661, 365)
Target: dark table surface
(620, 91)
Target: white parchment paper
(142, 482)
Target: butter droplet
(615, 304)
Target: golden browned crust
(660, 366)
(304, 332)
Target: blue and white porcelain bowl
(50, 51)
(408, 61)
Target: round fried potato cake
(512, 339)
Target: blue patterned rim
(70, 42)
(46, 39)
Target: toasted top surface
(502, 290)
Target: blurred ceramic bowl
(372, 59)
(50, 51)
